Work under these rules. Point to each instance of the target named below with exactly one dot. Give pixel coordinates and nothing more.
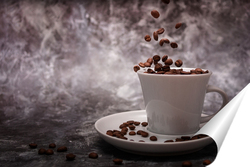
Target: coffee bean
(130, 122)
(123, 138)
(153, 138)
(131, 140)
(156, 58)
(198, 70)
(155, 14)
(166, 1)
(136, 68)
(141, 141)
(52, 145)
(185, 137)
(164, 40)
(147, 38)
(136, 123)
(49, 152)
(41, 151)
(93, 155)
(144, 134)
(185, 72)
(62, 149)
(131, 127)
(70, 157)
(166, 68)
(139, 132)
(206, 162)
(150, 71)
(117, 161)
(33, 145)
(144, 124)
(160, 31)
(168, 62)
(141, 65)
(109, 132)
(164, 58)
(186, 164)
(123, 126)
(178, 63)
(179, 140)
(155, 35)
(132, 133)
(178, 25)
(150, 60)
(168, 141)
(160, 72)
(123, 132)
(124, 129)
(158, 67)
(147, 64)
(174, 45)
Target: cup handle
(224, 96)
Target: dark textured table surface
(76, 131)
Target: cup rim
(142, 72)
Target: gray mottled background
(73, 55)
(65, 64)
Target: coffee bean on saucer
(141, 141)
(132, 133)
(41, 151)
(122, 126)
(147, 38)
(70, 157)
(174, 45)
(164, 58)
(33, 145)
(158, 67)
(179, 139)
(206, 162)
(123, 137)
(165, 1)
(156, 58)
(136, 68)
(109, 132)
(186, 164)
(155, 14)
(185, 137)
(62, 149)
(136, 123)
(150, 60)
(160, 31)
(160, 72)
(178, 25)
(117, 161)
(153, 138)
(144, 124)
(93, 155)
(52, 145)
(155, 35)
(139, 132)
(131, 127)
(167, 141)
(130, 122)
(141, 65)
(147, 64)
(166, 68)
(124, 129)
(131, 140)
(49, 152)
(123, 132)
(144, 134)
(178, 63)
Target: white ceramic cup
(174, 103)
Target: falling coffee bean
(155, 14)
(168, 62)
(174, 45)
(70, 157)
(178, 63)
(136, 68)
(62, 149)
(160, 31)
(178, 25)
(147, 38)
(155, 35)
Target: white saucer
(152, 148)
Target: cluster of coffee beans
(129, 128)
(50, 151)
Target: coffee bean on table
(49, 152)
(144, 124)
(52, 145)
(117, 161)
(178, 25)
(153, 138)
(155, 35)
(93, 155)
(174, 45)
(41, 151)
(136, 68)
(62, 149)
(147, 38)
(155, 14)
(206, 162)
(166, 1)
(178, 63)
(33, 145)
(186, 164)
(160, 31)
(70, 157)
